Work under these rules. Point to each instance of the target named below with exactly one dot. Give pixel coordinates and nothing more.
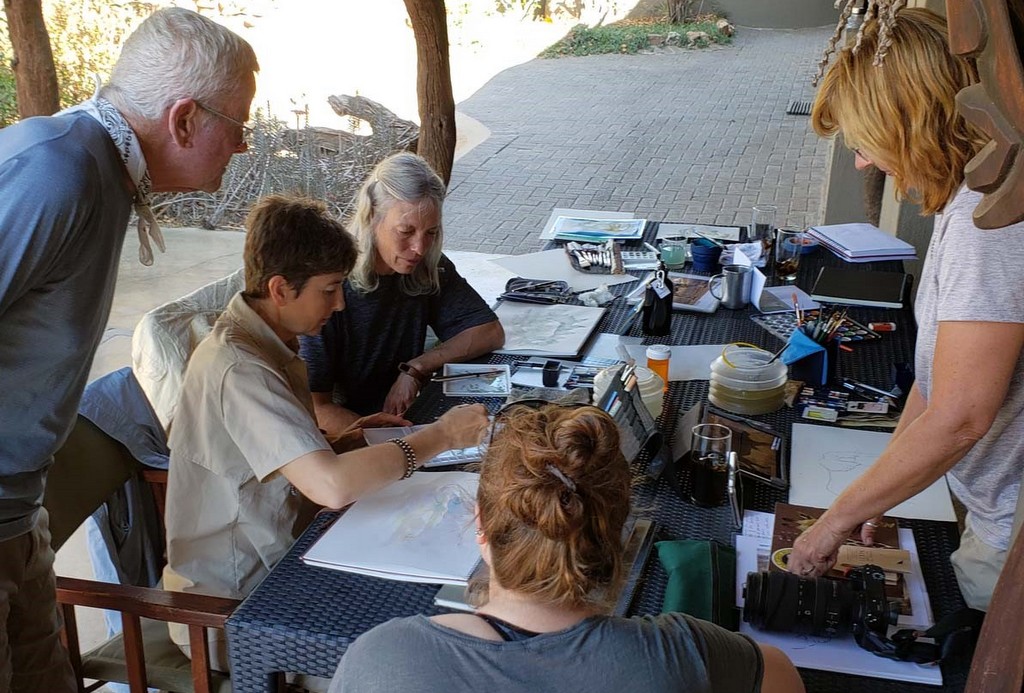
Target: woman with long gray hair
(370, 357)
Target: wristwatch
(413, 372)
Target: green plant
(623, 37)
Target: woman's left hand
(815, 551)
(401, 395)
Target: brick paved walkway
(684, 136)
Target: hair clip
(557, 473)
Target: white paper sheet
(554, 264)
(841, 654)
(824, 460)
(606, 346)
(686, 362)
(418, 531)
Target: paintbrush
(467, 376)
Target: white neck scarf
(127, 143)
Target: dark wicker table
(301, 619)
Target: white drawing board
(555, 330)
(825, 459)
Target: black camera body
(785, 602)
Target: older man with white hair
(170, 119)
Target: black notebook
(860, 287)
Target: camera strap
(956, 633)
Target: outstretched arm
(972, 369)
(468, 344)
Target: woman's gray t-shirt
(670, 652)
(974, 275)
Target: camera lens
(785, 602)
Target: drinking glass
(673, 253)
(788, 247)
(761, 223)
(710, 445)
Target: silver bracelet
(410, 456)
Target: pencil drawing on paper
(546, 329)
(447, 513)
(842, 467)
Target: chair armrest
(157, 604)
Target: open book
(420, 529)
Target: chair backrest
(86, 471)
(166, 336)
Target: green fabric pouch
(701, 580)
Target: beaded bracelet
(410, 456)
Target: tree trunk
(35, 77)
(434, 85)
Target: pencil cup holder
(809, 361)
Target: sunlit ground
(310, 49)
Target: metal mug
(735, 283)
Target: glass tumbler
(710, 445)
(788, 247)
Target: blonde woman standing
(964, 417)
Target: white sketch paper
(826, 459)
(419, 530)
(555, 330)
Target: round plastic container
(648, 383)
(745, 380)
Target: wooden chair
(86, 471)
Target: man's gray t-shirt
(973, 274)
(65, 198)
(670, 653)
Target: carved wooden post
(434, 85)
(35, 77)
(984, 30)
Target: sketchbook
(860, 287)
(558, 330)
(691, 292)
(420, 529)
(862, 242)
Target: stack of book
(862, 243)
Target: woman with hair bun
(553, 498)
(369, 358)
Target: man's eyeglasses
(247, 130)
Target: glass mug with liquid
(710, 445)
(788, 248)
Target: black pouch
(523, 290)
